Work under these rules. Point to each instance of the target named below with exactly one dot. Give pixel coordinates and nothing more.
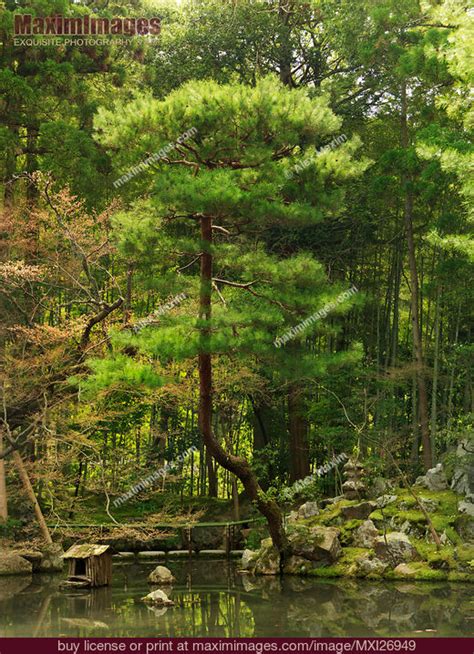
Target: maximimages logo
(27, 25)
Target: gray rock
(466, 507)
(463, 477)
(248, 559)
(464, 525)
(385, 500)
(366, 535)
(316, 543)
(367, 566)
(296, 565)
(308, 510)
(13, 564)
(268, 559)
(379, 486)
(158, 598)
(404, 570)
(35, 557)
(395, 548)
(434, 479)
(331, 500)
(358, 511)
(161, 575)
(52, 560)
(429, 505)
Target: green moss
(415, 517)
(422, 571)
(346, 530)
(465, 552)
(344, 567)
(376, 516)
(460, 576)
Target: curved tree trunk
(236, 464)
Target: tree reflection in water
(213, 599)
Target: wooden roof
(85, 550)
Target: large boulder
(268, 559)
(35, 557)
(434, 479)
(395, 548)
(161, 575)
(13, 564)
(367, 566)
(308, 510)
(158, 598)
(462, 481)
(366, 535)
(404, 570)
(248, 559)
(359, 511)
(296, 565)
(316, 543)
(52, 560)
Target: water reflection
(213, 599)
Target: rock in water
(404, 570)
(161, 575)
(395, 548)
(366, 535)
(434, 479)
(268, 559)
(367, 566)
(248, 558)
(158, 598)
(13, 564)
(52, 560)
(33, 556)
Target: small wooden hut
(90, 566)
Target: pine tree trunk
(31, 496)
(236, 464)
(414, 295)
(3, 486)
(298, 428)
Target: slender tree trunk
(434, 390)
(414, 295)
(31, 496)
(3, 486)
(298, 428)
(238, 465)
(211, 475)
(284, 44)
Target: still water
(213, 599)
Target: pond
(213, 599)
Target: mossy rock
(345, 566)
(418, 571)
(347, 530)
